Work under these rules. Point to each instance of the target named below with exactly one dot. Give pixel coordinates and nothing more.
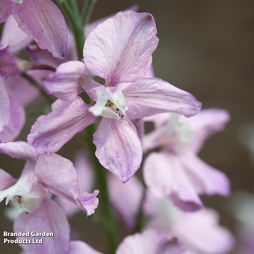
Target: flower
(175, 171)
(120, 51)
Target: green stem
(74, 7)
(37, 86)
(88, 11)
(100, 171)
(77, 26)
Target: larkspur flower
(120, 51)
(40, 19)
(175, 171)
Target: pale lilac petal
(150, 96)
(206, 179)
(44, 21)
(205, 123)
(78, 247)
(150, 242)
(64, 82)
(118, 147)
(51, 131)
(5, 10)
(91, 26)
(60, 176)
(164, 176)
(19, 150)
(150, 72)
(27, 192)
(21, 90)
(49, 218)
(6, 180)
(4, 105)
(120, 49)
(201, 231)
(13, 36)
(17, 121)
(90, 86)
(126, 195)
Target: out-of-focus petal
(49, 218)
(4, 105)
(126, 195)
(64, 82)
(13, 36)
(150, 96)
(51, 131)
(165, 177)
(205, 123)
(28, 192)
(120, 49)
(6, 180)
(16, 123)
(150, 242)
(206, 179)
(201, 231)
(19, 150)
(60, 177)
(5, 10)
(44, 21)
(118, 147)
(78, 247)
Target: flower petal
(48, 218)
(150, 96)
(51, 131)
(19, 150)
(164, 176)
(16, 123)
(6, 180)
(90, 86)
(78, 247)
(64, 82)
(150, 242)
(118, 147)
(13, 36)
(206, 179)
(5, 10)
(120, 49)
(44, 21)
(60, 177)
(4, 105)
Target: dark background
(206, 48)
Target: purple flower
(120, 51)
(175, 171)
(34, 17)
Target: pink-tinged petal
(91, 26)
(120, 49)
(206, 179)
(205, 123)
(118, 147)
(48, 218)
(60, 176)
(165, 177)
(44, 21)
(17, 121)
(78, 247)
(150, 242)
(126, 195)
(150, 73)
(6, 180)
(28, 192)
(4, 105)
(150, 96)
(5, 10)
(51, 131)
(19, 150)
(13, 36)
(90, 86)
(64, 82)
(21, 90)
(201, 231)
(158, 119)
